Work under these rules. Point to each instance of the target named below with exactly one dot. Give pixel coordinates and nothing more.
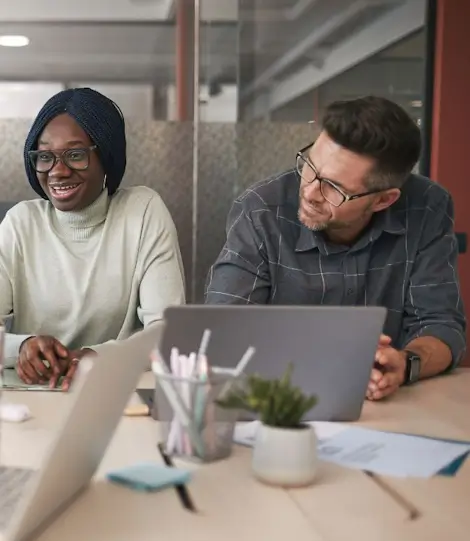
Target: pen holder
(192, 425)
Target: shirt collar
(308, 240)
(390, 220)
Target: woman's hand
(42, 359)
(75, 358)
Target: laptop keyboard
(12, 484)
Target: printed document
(384, 453)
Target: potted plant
(285, 449)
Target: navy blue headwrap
(99, 117)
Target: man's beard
(308, 222)
(313, 226)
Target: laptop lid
(332, 348)
(98, 396)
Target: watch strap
(413, 367)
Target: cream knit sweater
(91, 276)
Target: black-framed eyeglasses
(335, 195)
(77, 159)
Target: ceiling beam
(298, 9)
(85, 10)
(53, 62)
(305, 45)
(219, 10)
(385, 31)
(170, 9)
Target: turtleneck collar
(81, 224)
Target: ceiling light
(416, 103)
(14, 41)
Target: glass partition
(217, 94)
(274, 66)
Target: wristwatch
(413, 367)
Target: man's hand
(388, 372)
(41, 359)
(75, 358)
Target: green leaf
(277, 402)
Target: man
(350, 225)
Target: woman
(90, 262)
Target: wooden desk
(343, 504)
(438, 407)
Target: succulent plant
(277, 402)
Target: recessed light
(14, 41)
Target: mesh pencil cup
(192, 425)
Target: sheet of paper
(386, 453)
(12, 382)
(245, 433)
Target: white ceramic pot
(285, 457)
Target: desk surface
(342, 504)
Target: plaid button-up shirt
(406, 261)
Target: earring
(104, 182)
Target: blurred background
(217, 94)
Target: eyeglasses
(77, 159)
(329, 190)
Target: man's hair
(102, 121)
(379, 129)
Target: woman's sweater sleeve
(161, 268)
(9, 257)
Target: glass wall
(396, 73)
(217, 94)
(297, 56)
(293, 58)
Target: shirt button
(350, 291)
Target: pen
(161, 371)
(413, 512)
(182, 490)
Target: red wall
(450, 147)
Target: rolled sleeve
(241, 273)
(434, 306)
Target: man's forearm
(435, 355)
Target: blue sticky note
(149, 476)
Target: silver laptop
(332, 348)
(30, 500)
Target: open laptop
(332, 348)
(29, 500)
